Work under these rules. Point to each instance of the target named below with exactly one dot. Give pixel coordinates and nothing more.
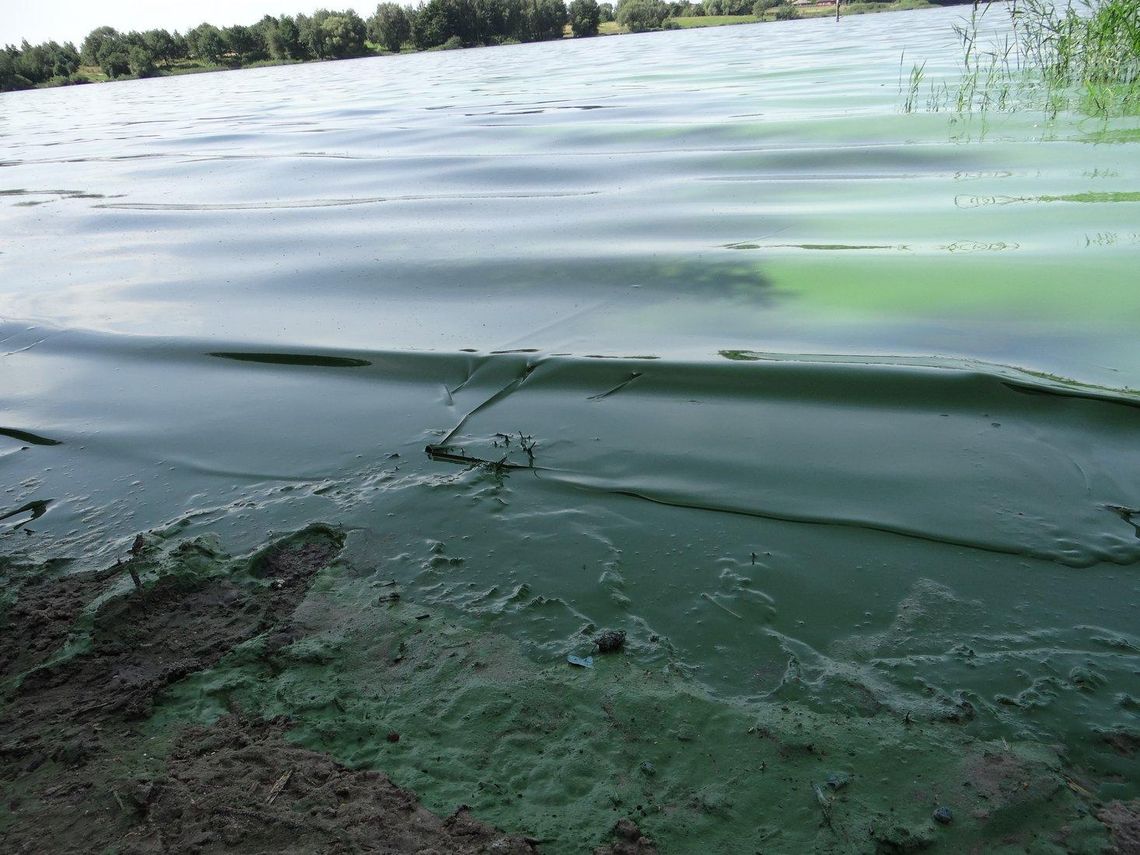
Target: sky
(71, 20)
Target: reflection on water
(671, 312)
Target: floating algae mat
(416, 375)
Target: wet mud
(239, 786)
(84, 657)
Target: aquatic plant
(1082, 57)
(916, 75)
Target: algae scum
(419, 373)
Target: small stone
(393, 736)
(943, 815)
(610, 641)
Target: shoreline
(93, 74)
(187, 697)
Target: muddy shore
(260, 703)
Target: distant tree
(96, 41)
(305, 35)
(492, 21)
(282, 37)
(543, 20)
(487, 21)
(33, 63)
(290, 35)
(332, 35)
(641, 15)
(65, 59)
(605, 12)
(584, 17)
(390, 26)
(787, 12)
(109, 49)
(207, 43)
(10, 78)
(115, 59)
(246, 44)
(343, 35)
(180, 48)
(140, 61)
(43, 62)
(161, 45)
(431, 26)
(267, 26)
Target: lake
(825, 403)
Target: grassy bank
(714, 21)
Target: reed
(1080, 57)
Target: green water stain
(978, 285)
(1091, 197)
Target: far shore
(90, 73)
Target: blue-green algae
(536, 746)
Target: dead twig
(276, 789)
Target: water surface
(823, 400)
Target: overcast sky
(71, 20)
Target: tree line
(342, 34)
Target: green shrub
(787, 12)
(584, 17)
(641, 15)
(390, 26)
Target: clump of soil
(1123, 821)
(610, 641)
(289, 567)
(75, 773)
(143, 640)
(39, 621)
(628, 840)
(67, 724)
(239, 786)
